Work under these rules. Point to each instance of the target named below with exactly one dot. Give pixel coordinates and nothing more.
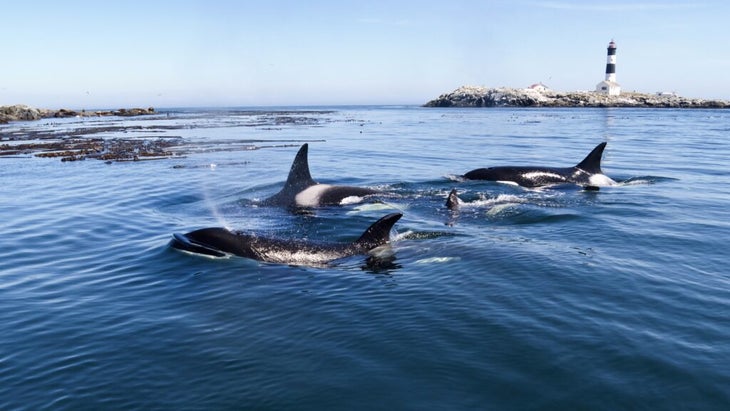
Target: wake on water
(644, 180)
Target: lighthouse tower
(609, 85)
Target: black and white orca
(301, 191)
(221, 242)
(587, 173)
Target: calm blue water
(525, 299)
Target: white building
(539, 87)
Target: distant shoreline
(21, 112)
(473, 96)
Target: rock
(63, 113)
(471, 96)
(21, 112)
(134, 112)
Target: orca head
(481, 174)
(214, 241)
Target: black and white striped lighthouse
(609, 85)
(611, 62)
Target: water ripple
(552, 298)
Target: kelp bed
(110, 142)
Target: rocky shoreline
(21, 112)
(474, 96)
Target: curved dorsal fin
(378, 233)
(592, 163)
(298, 179)
(299, 176)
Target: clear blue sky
(84, 54)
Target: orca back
(220, 242)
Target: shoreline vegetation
(478, 96)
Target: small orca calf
(453, 201)
(221, 242)
(300, 190)
(587, 173)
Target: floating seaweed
(129, 140)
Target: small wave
(644, 180)
(383, 252)
(437, 260)
(498, 209)
(505, 199)
(455, 178)
(421, 235)
(501, 201)
(401, 236)
(365, 208)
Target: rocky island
(475, 96)
(21, 112)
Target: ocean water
(524, 299)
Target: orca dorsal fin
(592, 163)
(298, 179)
(299, 176)
(453, 201)
(378, 233)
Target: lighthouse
(609, 85)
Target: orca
(587, 173)
(221, 242)
(301, 191)
(453, 201)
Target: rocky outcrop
(471, 96)
(124, 112)
(20, 112)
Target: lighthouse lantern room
(609, 85)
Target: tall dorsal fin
(299, 176)
(592, 163)
(298, 179)
(378, 233)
